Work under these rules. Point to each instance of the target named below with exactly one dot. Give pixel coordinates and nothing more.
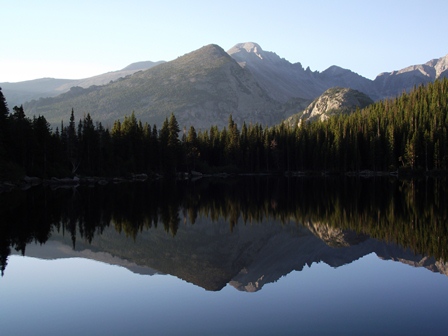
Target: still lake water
(254, 256)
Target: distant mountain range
(21, 92)
(203, 87)
(284, 80)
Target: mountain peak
(209, 50)
(248, 47)
(335, 70)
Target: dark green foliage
(4, 110)
(408, 134)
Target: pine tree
(174, 142)
(4, 110)
(72, 144)
(191, 147)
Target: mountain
(343, 247)
(201, 88)
(391, 84)
(284, 80)
(145, 65)
(281, 79)
(108, 77)
(334, 100)
(21, 92)
(336, 76)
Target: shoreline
(64, 183)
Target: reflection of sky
(84, 297)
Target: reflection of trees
(412, 214)
(27, 217)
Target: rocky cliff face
(333, 101)
(281, 79)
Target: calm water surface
(234, 257)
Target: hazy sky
(78, 39)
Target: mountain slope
(336, 76)
(106, 78)
(281, 79)
(21, 92)
(284, 80)
(332, 101)
(391, 84)
(201, 88)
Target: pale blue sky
(78, 39)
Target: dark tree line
(408, 132)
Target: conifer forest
(407, 133)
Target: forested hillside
(406, 132)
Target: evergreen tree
(192, 148)
(174, 143)
(72, 144)
(4, 110)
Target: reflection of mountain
(279, 258)
(219, 247)
(210, 255)
(54, 249)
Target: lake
(235, 256)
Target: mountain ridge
(19, 93)
(310, 84)
(264, 88)
(201, 88)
